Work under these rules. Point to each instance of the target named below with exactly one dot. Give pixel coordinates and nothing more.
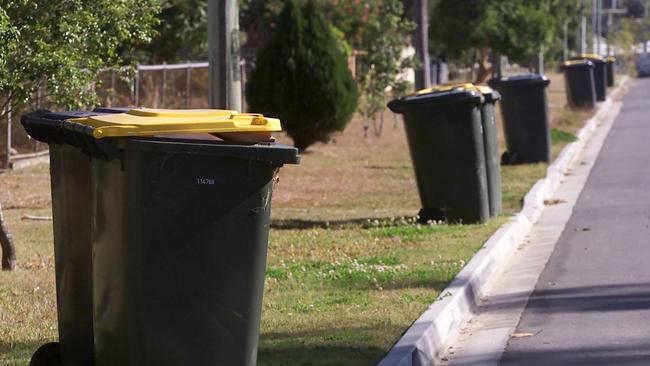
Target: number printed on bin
(205, 181)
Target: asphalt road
(591, 304)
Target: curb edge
(426, 339)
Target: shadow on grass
(364, 223)
(320, 356)
(418, 279)
(345, 346)
(19, 353)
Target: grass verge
(348, 269)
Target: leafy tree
(257, 19)
(624, 37)
(641, 30)
(515, 28)
(381, 30)
(302, 77)
(636, 8)
(181, 33)
(59, 47)
(569, 11)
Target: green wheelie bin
(71, 212)
(600, 74)
(445, 135)
(179, 234)
(491, 144)
(579, 83)
(524, 107)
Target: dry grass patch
(348, 269)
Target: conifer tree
(302, 77)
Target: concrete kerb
(425, 341)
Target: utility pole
(594, 24)
(645, 16)
(223, 54)
(565, 54)
(583, 35)
(610, 23)
(599, 24)
(421, 43)
(614, 10)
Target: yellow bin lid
(591, 56)
(574, 62)
(149, 122)
(447, 87)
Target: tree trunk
(7, 245)
(484, 66)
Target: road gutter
(428, 338)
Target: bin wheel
(48, 354)
(427, 214)
(509, 158)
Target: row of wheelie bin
(160, 234)
(587, 77)
(452, 137)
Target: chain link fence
(176, 86)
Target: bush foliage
(302, 77)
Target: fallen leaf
(553, 201)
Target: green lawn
(348, 268)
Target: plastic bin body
(600, 74)
(180, 254)
(600, 79)
(446, 143)
(579, 84)
(70, 174)
(524, 107)
(610, 71)
(491, 144)
(178, 231)
(71, 214)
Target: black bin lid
(577, 64)
(519, 80)
(52, 127)
(596, 59)
(46, 126)
(438, 96)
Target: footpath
(577, 290)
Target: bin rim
(589, 56)
(490, 94)
(445, 87)
(271, 152)
(437, 98)
(150, 122)
(578, 62)
(190, 113)
(519, 80)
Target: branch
(7, 245)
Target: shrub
(302, 77)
